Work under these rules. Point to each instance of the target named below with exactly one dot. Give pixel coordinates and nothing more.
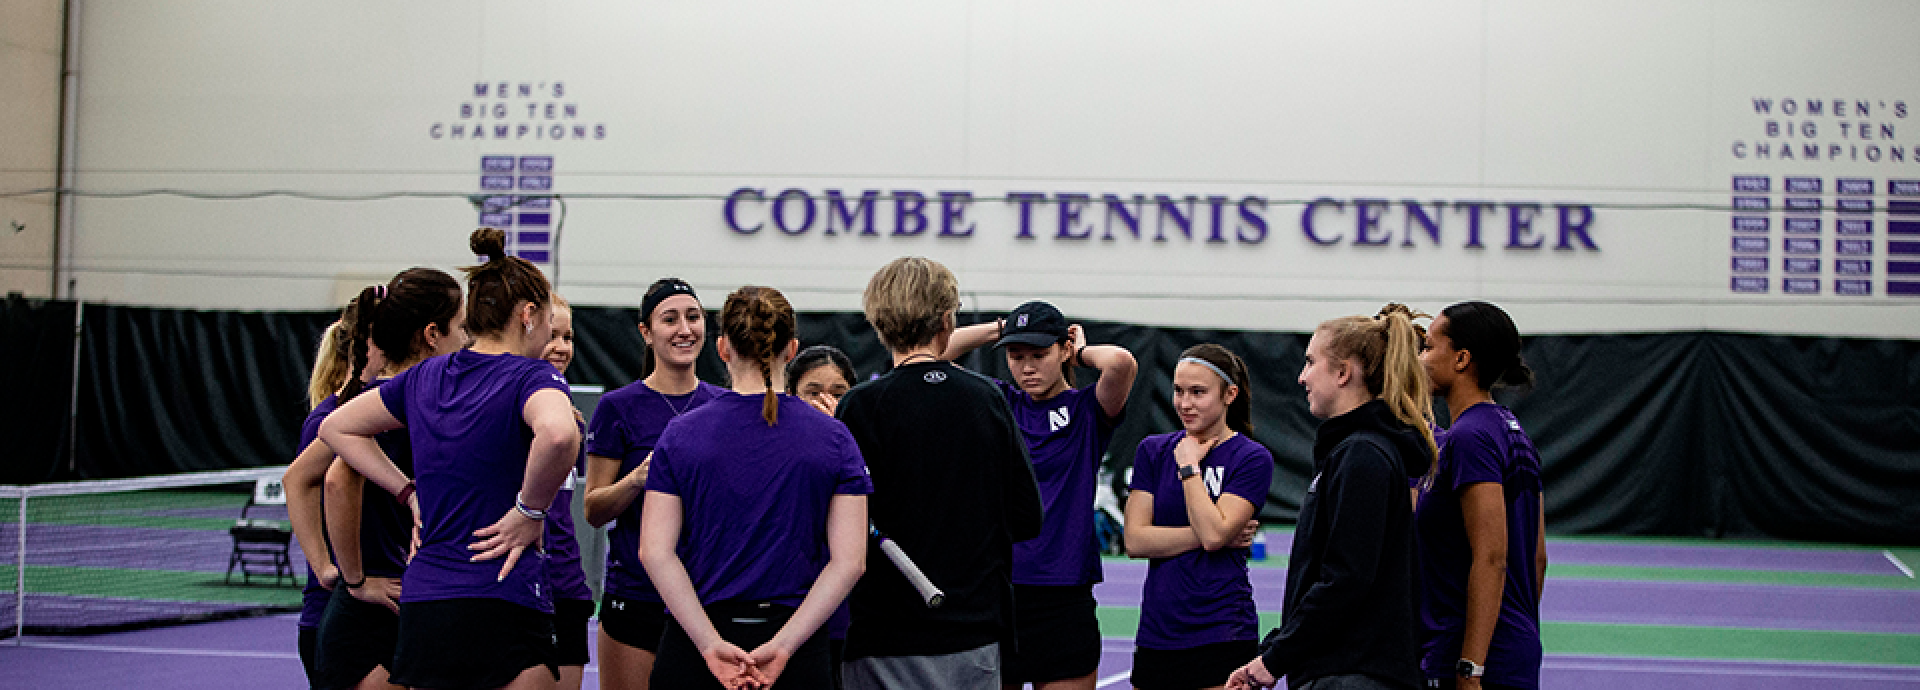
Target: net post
(20, 578)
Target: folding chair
(260, 547)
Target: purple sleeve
(606, 434)
(1251, 475)
(853, 468)
(541, 376)
(1475, 457)
(394, 393)
(1143, 461)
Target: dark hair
(393, 315)
(496, 288)
(816, 356)
(1488, 332)
(758, 322)
(1240, 411)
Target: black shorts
(309, 640)
(747, 625)
(470, 643)
(570, 618)
(354, 636)
(1204, 666)
(1058, 635)
(632, 622)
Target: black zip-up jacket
(1349, 606)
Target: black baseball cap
(1035, 323)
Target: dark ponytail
(759, 322)
(496, 288)
(1240, 411)
(1486, 330)
(392, 316)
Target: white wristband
(529, 512)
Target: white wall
(1631, 108)
(30, 46)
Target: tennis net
(94, 556)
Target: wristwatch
(1188, 472)
(1465, 668)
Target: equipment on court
(928, 593)
(129, 553)
(262, 544)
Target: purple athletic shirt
(1486, 444)
(1065, 435)
(470, 443)
(563, 549)
(626, 425)
(1198, 597)
(314, 598)
(755, 497)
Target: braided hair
(759, 323)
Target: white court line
(1109, 680)
(1895, 560)
(176, 651)
(1724, 668)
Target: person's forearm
(363, 455)
(1540, 555)
(1485, 582)
(1109, 359)
(847, 546)
(344, 495)
(1160, 542)
(967, 339)
(1204, 515)
(659, 535)
(303, 483)
(606, 497)
(550, 455)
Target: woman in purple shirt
(755, 523)
(1480, 529)
(1067, 429)
(493, 433)
(572, 598)
(626, 424)
(303, 485)
(1192, 494)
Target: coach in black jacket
(1348, 621)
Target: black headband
(661, 293)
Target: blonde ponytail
(1388, 347)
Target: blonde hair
(1388, 347)
(908, 299)
(330, 362)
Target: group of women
(432, 496)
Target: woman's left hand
(509, 537)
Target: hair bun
(490, 243)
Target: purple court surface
(1634, 584)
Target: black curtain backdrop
(36, 341)
(1702, 434)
